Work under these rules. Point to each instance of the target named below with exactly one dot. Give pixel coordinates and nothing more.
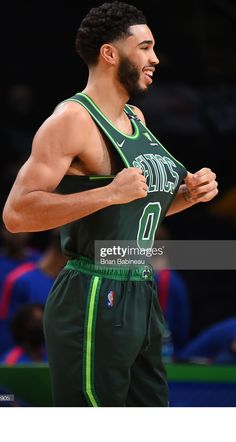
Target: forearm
(40, 210)
(181, 201)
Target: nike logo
(153, 144)
(120, 144)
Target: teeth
(149, 73)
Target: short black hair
(105, 24)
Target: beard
(128, 75)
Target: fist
(200, 186)
(128, 185)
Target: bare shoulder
(73, 116)
(70, 111)
(67, 128)
(57, 142)
(138, 112)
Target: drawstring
(149, 320)
(124, 301)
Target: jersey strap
(115, 136)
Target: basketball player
(98, 172)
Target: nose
(155, 59)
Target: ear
(109, 53)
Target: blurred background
(191, 107)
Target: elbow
(11, 220)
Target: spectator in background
(174, 299)
(215, 345)
(28, 337)
(29, 283)
(14, 250)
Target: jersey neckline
(136, 133)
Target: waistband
(84, 265)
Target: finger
(205, 171)
(136, 170)
(208, 196)
(205, 188)
(143, 179)
(206, 178)
(188, 176)
(190, 179)
(139, 170)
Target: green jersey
(139, 219)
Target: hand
(128, 185)
(200, 186)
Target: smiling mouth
(148, 73)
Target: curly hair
(105, 24)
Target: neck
(108, 94)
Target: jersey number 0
(148, 224)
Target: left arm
(198, 187)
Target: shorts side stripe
(89, 342)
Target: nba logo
(110, 298)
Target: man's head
(116, 34)
(105, 24)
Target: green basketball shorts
(103, 331)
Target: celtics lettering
(160, 172)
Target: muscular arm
(38, 210)
(32, 204)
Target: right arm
(33, 206)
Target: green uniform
(104, 326)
